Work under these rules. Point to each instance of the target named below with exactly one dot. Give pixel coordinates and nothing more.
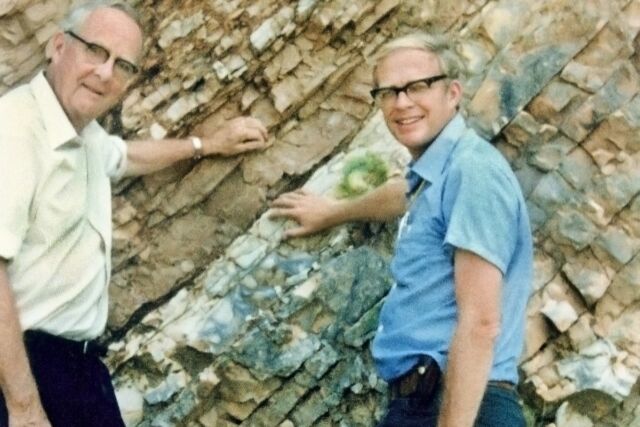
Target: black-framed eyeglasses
(98, 55)
(413, 89)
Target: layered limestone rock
(272, 331)
(25, 27)
(215, 321)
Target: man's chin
(85, 116)
(93, 109)
(414, 143)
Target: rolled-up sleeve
(111, 150)
(115, 155)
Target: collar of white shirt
(58, 127)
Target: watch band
(197, 147)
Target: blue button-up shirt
(466, 196)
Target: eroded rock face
(216, 321)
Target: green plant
(362, 174)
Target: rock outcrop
(217, 321)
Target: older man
(55, 216)
(463, 257)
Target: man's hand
(29, 415)
(237, 136)
(315, 213)
(312, 212)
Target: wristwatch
(197, 147)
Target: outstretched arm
(16, 381)
(237, 136)
(315, 213)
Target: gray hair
(441, 46)
(78, 15)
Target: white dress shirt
(55, 212)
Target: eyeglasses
(414, 90)
(98, 55)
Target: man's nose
(105, 70)
(402, 99)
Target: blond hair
(441, 46)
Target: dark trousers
(500, 407)
(74, 385)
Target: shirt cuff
(121, 165)
(9, 245)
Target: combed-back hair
(440, 45)
(78, 15)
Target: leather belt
(40, 338)
(423, 381)
(507, 385)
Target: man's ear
(455, 92)
(54, 47)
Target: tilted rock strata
(215, 321)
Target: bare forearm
(315, 213)
(236, 136)
(468, 367)
(148, 156)
(17, 383)
(381, 204)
